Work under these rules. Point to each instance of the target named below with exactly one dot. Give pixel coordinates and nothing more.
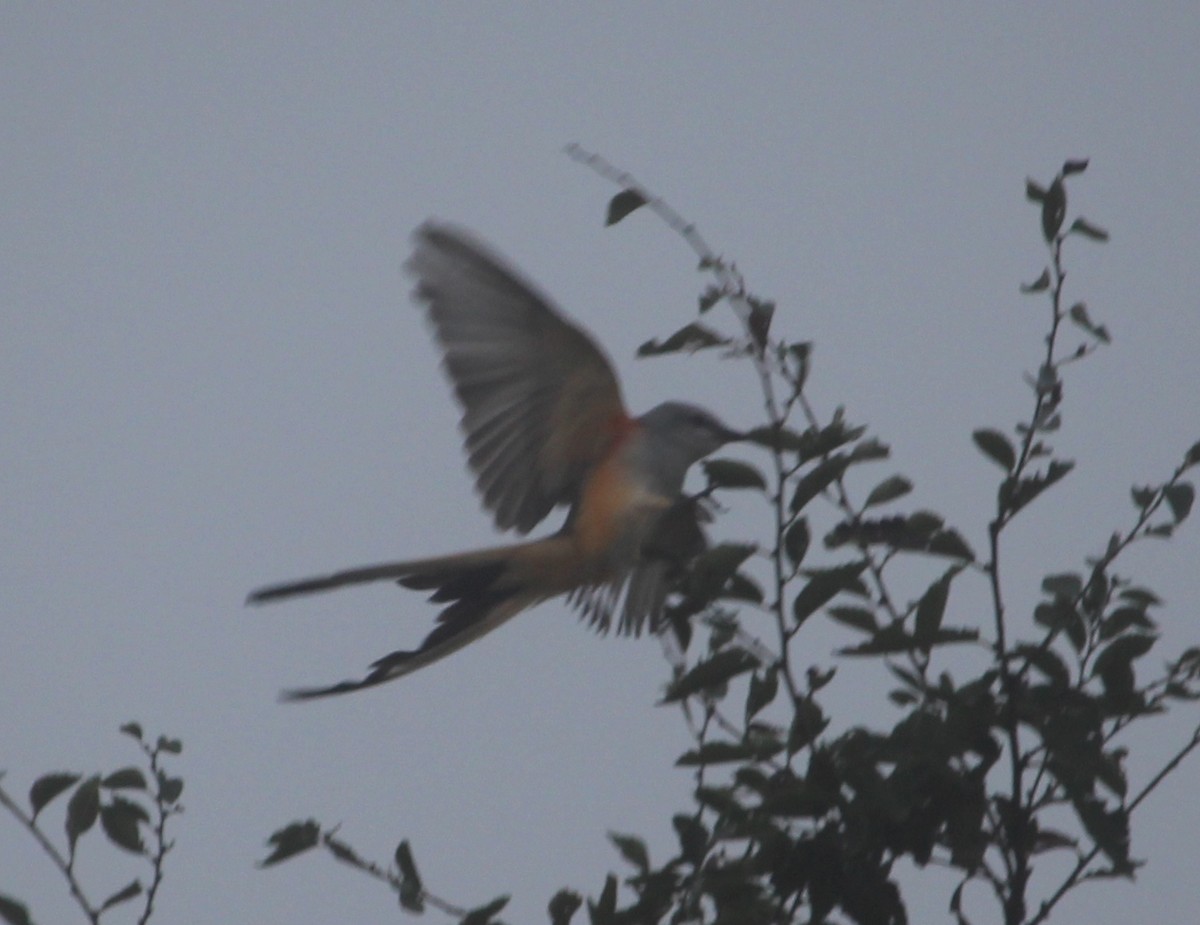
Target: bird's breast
(616, 510)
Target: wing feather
(541, 403)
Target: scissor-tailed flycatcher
(544, 426)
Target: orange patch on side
(606, 499)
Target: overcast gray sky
(213, 379)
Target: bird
(544, 426)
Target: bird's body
(544, 426)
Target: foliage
(132, 805)
(992, 762)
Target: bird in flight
(544, 426)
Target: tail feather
(481, 589)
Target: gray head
(686, 433)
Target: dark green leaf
(1047, 662)
(171, 746)
(1034, 192)
(725, 752)
(1124, 618)
(563, 905)
(1179, 499)
(996, 447)
(603, 910)
(1193, 456)
(776, 438)
(126, 778)
(759, 321)
(622, 204)
(1109, 829)
(1075, 166)
(888, 490)
(1143, 597)
(1088, 230)
(13, 912)
(796, 540)
(133, 729)
(693, 837)
(710, 297)
(485, 914)
(1066, 584)
(1079, 315)
(1014, 494)
(763, 688)
(1054, 209)
(169, 788)
(741, 587)
(1143, 497)
(817, 479)
(120, 820)
(712, 673)
(808, 722)
(291, 840)
(888, 640)
(126, 893)
(1122, 651)
(859, 618)
(691, 337)
(632, 849)
(83, 809)
(733, 473)
(712, 569)
(823, 585)
(1041, 284)
(406, 865)
(930, 610)
(47, 787)
(1060, 615)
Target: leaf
(125, 779)
(170, 746)
(888, 490)
(796, 540)
(83, 809)
(169, 788)
(1067, 585)
(888, 640)
(291, 840)
(691, 337)
(711, 570)
(763, 688)
(1034, 192)
(820, 477)
(1047, 662)
(1193, 456)
(563, 905)
(733, 473)
(632, 849)
(1143, 497)
(1179, 499)
(1088, 230)
(930, 610)
(996, 447)
(132, 729)
(485, 914)
(1078, 313)
(1122, 651)
(710, 297)
(605, 907)
(126, 893)
(1054, 209)
(725, 752)
(13, 912)
(622, 204)
(808, 722)
(822, 586)
(120, 820)
(1109, 829)
(1075, 166)
(47, 787)
(859, 618)
(1014, 494)
(710, 673)
(1041, 284)
(406, 865)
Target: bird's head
(689, 431)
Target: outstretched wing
(541, 403)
